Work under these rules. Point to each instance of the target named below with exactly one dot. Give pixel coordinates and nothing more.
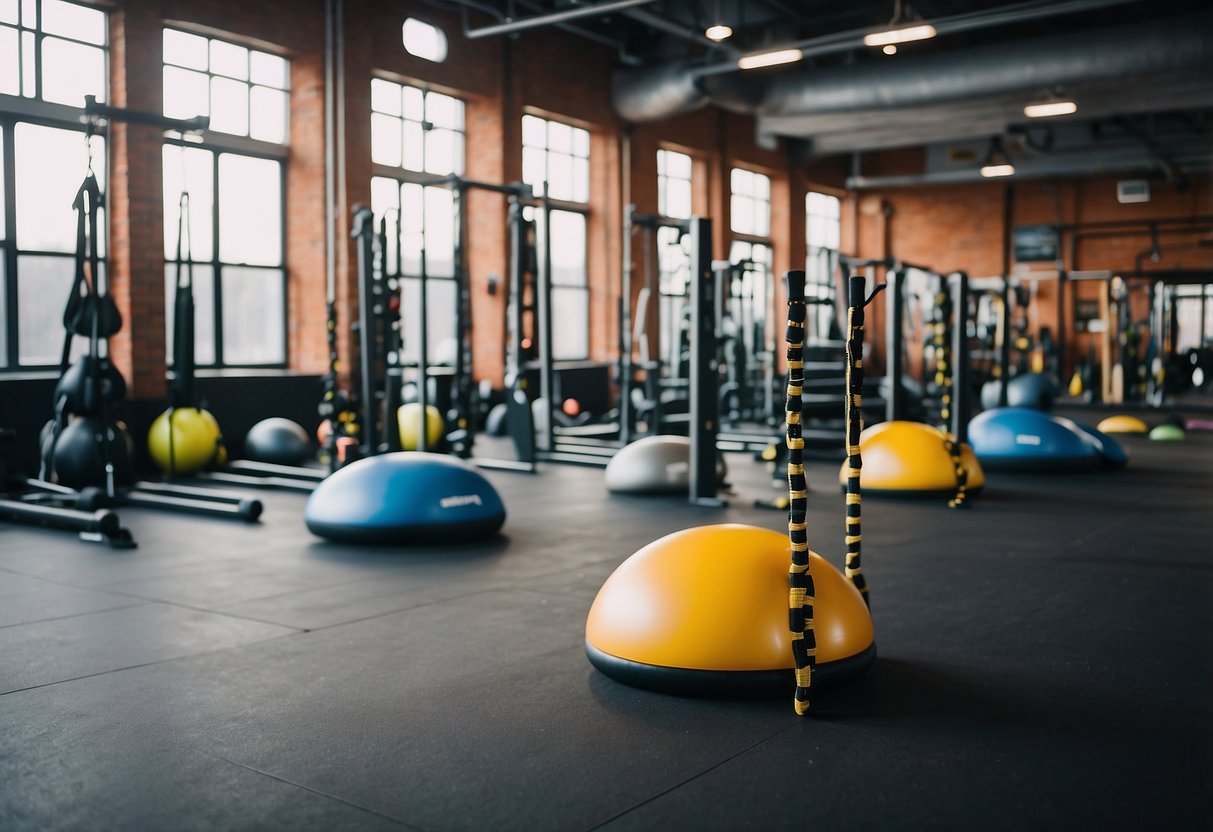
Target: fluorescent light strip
(761, 59)
(1051, 108)
(921, 31)
(990, 171)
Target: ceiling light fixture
(906, 34)
(773, 58)
(1050, 108)
(718, 32)
(997, 162)
(890, 50)
(904, 27)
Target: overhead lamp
(772, 58)
(718, 32)
(905, 34)
(997, 162)
(904, 27)
(1050, 108)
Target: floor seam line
(690, 779)
(75, 615)
(148, 664)
(308, 789)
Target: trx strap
(800, 579)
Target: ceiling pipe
(563, 16)
(660, 92)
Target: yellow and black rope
(800, 579)
(854, 427)
(944, 321)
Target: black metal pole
(895, 349)
(703, 381)
(543, 303)
(364, 233)
(961, 392)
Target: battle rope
(944, 321)
(800, 578)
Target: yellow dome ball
(908, 457)
(716, 598)
(193, 441)
(408, 420)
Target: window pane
(581, 142)
(8, 11)
(439, 232)
(679, 165)
(444, 111)
(414, 145)
(534, 132)
(229, 106)
(3, 222)
(739, 181)
(440, 319)
(268, 114)
(10, 72)
(385, 140)
(29, 66)
(186, 93)
(414, 104)
(204, 311)
(184, 49)
(533, 172)
(385, 194)
(678, 198)
(762, 186)
(581, 180)
(29, 12)
(254, 305)
(560, 176)
(43, 284)
(250, 210)
(229, 59)
(72, 21)
(198, 177)
(560, 137)
(385, 97)
(762, 218)
(570, 323)
(440, 151)
(267, 69)
(50, 164)
(71, 71)
(568, 249)
(741, 217)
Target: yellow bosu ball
(715, 598)
(408, 420)
(907, 457)
(193, 443)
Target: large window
(244, 91)
(556, 160)
(236, 195)
(673, 184)
(749, 290)
(823, 234)
(52, 54)
(415, 132)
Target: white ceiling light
(997, 162)
(890, 50)
(774, 58)
(718, 32)
(1050, 108)
(905, 34)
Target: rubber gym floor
(1045, 663)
